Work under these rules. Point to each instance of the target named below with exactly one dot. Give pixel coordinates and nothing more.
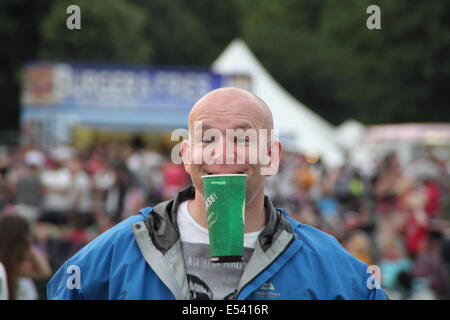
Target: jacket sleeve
(84, 276)
(372, 283)
(62, 286)
(377, 294)
(87, 274)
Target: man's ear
(186, 155)
(275, 152)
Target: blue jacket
(141, 258)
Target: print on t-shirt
(209, 280)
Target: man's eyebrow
(241, 125)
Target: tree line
(320, 50)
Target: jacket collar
(163, 228)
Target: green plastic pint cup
(225, 212)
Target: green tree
(20, 38)
(319, 50)
(191, 33)
(111, 31)
(322, 52)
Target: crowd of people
(392, 216)
(69, 197)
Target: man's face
(228, 134)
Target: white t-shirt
(81, 185)
(209, 280)
(3, 283)
(26, 289)
(56, 181)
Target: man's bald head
(233, 101)
(230, 131)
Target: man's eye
(208, 139)
(241, 139)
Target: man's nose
(224, 152)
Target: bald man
(225, 109)
(163, 252)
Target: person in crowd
(6, 189)
(389, 185)
(429, 264)
(29, 192)
(3, 283)
(80, 194)
(416, 222)
(57, 183)
(125, 196)
(359, 245)
(22, 260)
(393, 262)
(175, 179)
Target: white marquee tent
(300, 129)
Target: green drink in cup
(225, 211)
